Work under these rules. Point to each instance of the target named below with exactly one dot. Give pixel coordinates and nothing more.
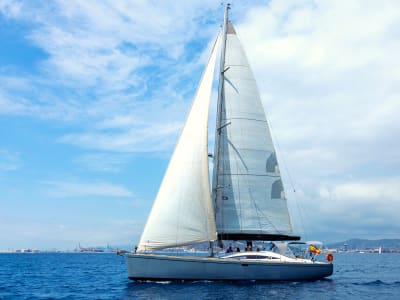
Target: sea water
(103, 276)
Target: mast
(223, 50)
(220, 102)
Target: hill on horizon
(353, 244)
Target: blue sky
(93, 95)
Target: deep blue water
(103, 276)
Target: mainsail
(248, 193)
(183, 213)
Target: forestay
(183, 212)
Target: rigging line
(275, 138)
(282, 156)
(238, 189)
(255, 206)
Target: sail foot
(257, 237)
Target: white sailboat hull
(161, 267)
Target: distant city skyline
(93, 96)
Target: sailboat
(246, 201)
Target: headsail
(183, 212)
(248, 193)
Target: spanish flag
(314, 249)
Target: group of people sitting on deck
(249, 247)
(230, 249)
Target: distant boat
(247, 200)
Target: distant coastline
(35, 251)
(352, 246)
(366, 246)
(79, 249)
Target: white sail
(249, 198)
(183, 212)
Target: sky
(93, 95)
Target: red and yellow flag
(314, 249)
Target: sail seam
(253, 149)
(252, 174)
(244, 66)
(248, 119)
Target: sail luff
(182, 213)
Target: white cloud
(10, 8)
(103, 161)
(148, 138)
(124, 75)
(47, 235)
(332, 210)
(109, 63)
(87, 189)
(9, 161)
(105, 45)
(385, 189)
(329, 80)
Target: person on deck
(271, 247)
(249, 246)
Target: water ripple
(103, 276)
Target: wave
(377, 282)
